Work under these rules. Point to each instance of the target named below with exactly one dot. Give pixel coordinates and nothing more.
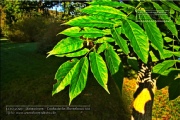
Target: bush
(49, 38)
(27, 30)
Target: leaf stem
(90, 50)
(135, 8)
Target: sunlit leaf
(161, 67)
(153, 57)
(92, 32)
(112, 60)
(99, 69)
(168, 39)
(79, 79)
(119, 40)
(64, 75)
(75, 54)
(91, 21)
(105, 11)
(166, 54)
(110, 3)
(66, 45)
(72, 32)
(153, 32)
(102, 47)
(138, 39)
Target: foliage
(137, 37)
(27, 30)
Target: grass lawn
(27, 78)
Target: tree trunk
(144, 95)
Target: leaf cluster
(106, 24)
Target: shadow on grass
(27, 79)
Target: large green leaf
(112, 60)
(174, 91)
(64, 75)
(75, 54)
(119, 40)
(161, 67)
(79, 79)
(168, 22)
(138, 39)
(105, 11)
(115, 66)
(110, 3)
(91, 21)
(152, 31)
(167, 77)
(99, 69)
(72, 32)
(66, 45)
(166, 54)
(104, 39)
(86, 33)
(92, 32)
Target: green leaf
(112, 60)
(105, 11)
(170, 25)
(133, 62)
(92, 32)
(153, 57)
(119, 40)
(176, 54)
(171, 5)
(167, 77)
(152, 31)
(168, 39)
(99, 69)
(138, 39)
(72, 32)
(64, 75)
(166, 54)
(110, 3)
(161, 67)
(174, 91)
(75, 54)
(66, 45)
(79, 78)
(102, 47)
(91, 21)
(104, 39)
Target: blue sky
(59, 8)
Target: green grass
(27, 78)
